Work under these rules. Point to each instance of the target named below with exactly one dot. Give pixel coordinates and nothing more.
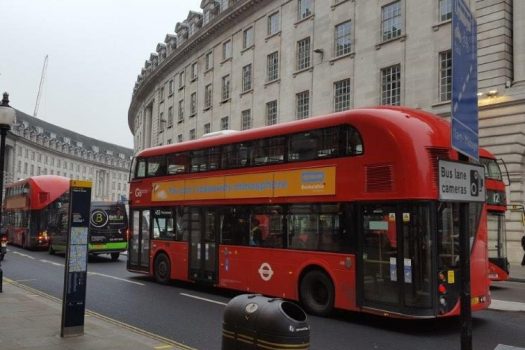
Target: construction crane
(39, 94)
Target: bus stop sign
(464, 132)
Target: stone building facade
(35, 147)
(248, 63)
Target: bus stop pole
(464, 258)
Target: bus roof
(398, 119)
(483, 153)
(53, 185)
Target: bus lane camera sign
(461, 182)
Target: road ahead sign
(464, 132)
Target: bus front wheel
(162, 268)
(114, 256)
(317, 293)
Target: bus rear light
(442, 277)
(443, 301)
(442, 289)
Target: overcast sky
(96, 50)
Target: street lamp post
(7, 118)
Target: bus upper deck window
(178, 163)
(354, 142)
(156, 166)
(141, 168)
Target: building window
(342, 95)
(303, 54)
(179, 138)
(161, 121)
(272, 67)
(225, 87)
(192, 134)
(208, 93)
(170, 87)
(247, 38)
(194, 71)
(391, 20)
(227, 50)
(305, 8)
(343, 38)
(273, 23)
(223, 4)
(207, 128)
(181, 110)
(181, 80)
(161, 94)
(302, 104)
(246, 120)
(391, 85)
(247, 78)
(224, 123)
(209, 60)
(271, 112)
(193, 104)
(445, 10)
(445, 75)
(170, 116)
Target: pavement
(30, 319)
(517, 273)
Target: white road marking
(507, 347)
(203, 299)
(51, 262)
(27, 280)
(22, 254)
(507, 305)
(115, 278)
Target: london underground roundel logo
(99, 218)
(265, 271)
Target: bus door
(203, 245)
(395, 259)
(139, 243)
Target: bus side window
(141, 168)
(163, 224)
(156, 166)
(177, 163)
(181, 224)
(354, 143)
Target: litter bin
(252, 321)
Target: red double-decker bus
(28, 206)
(496, 208)
(337, 211)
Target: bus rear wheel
(114, 256)
(162, 268)
(317, 293)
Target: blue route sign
(464, 132)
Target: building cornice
(219, 24)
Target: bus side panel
(277, 272)
(235, 267)
(178, 255)
(479, 267)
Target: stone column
(518, 40)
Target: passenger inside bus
(255, 232)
